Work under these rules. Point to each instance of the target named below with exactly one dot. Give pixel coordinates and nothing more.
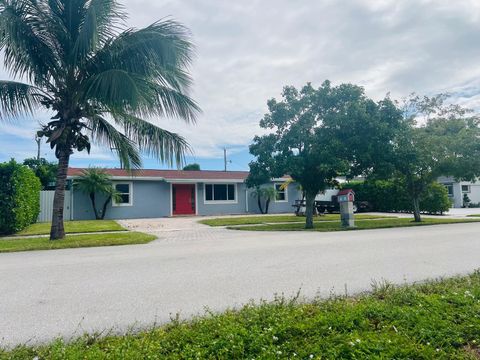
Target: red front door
(183, 198)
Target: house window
(220, 193)
(124, 194)
(280, 193)
(465, 188)
(449, 189)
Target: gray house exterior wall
(276, 207)
(151, 199)
(205, 208)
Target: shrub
(435, 200)
(390, 195)
(19, 197)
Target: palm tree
(99, 79)
(266, 194)
(95, 181)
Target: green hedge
(390, 195)
(19, 197)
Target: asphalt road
(46, 294)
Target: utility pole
(225, 158)
(38, 140)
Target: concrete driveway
(45, 294)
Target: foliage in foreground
(19, 197)
(75, 241)
(75, 226)
(359, 225)
(437, 320)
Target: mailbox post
(345, 199)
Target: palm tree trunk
(104, 209)
(267, 204)
(58, 231)
(259, 202)
(94, 205)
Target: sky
(247, 51)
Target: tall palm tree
(99, 79)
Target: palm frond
(165, 145)
(101, 21)
(18, 99)
(116, 89)
(106, 134)
(124, 92)
(162, 50)
(30, 49)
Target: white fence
(46, 206)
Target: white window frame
(205, 201)
(468, 191)
(130, 194)
(285, 191)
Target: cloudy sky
(248, 50)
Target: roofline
(158, 178)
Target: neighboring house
(160, 193)
(457, 189)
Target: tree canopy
(437, 139)
(190, 167)
(100, 80)
(46, 171)
(317, 135)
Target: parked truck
(327, 201)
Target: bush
(391, 196)
(19, 197)
(435, 200)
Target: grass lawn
(74, 241)
(359, 224)
(262, 219)
(474, 215)
(436, 320)
(74, 227)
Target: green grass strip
(81, 226)
(436, 320)
(263, 219)
(74, 241)
(359, 225)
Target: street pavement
(191, 267)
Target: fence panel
(46, 205)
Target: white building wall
(459, 188)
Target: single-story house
(457, 190)
(161, 193)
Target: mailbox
(345, 199)
(346, 195)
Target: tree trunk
(309, 202)
(259, 202)
(104, 209)
(267, 204)
(94, 205)
(57, 231)
(416, 209)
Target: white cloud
(247, 51)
